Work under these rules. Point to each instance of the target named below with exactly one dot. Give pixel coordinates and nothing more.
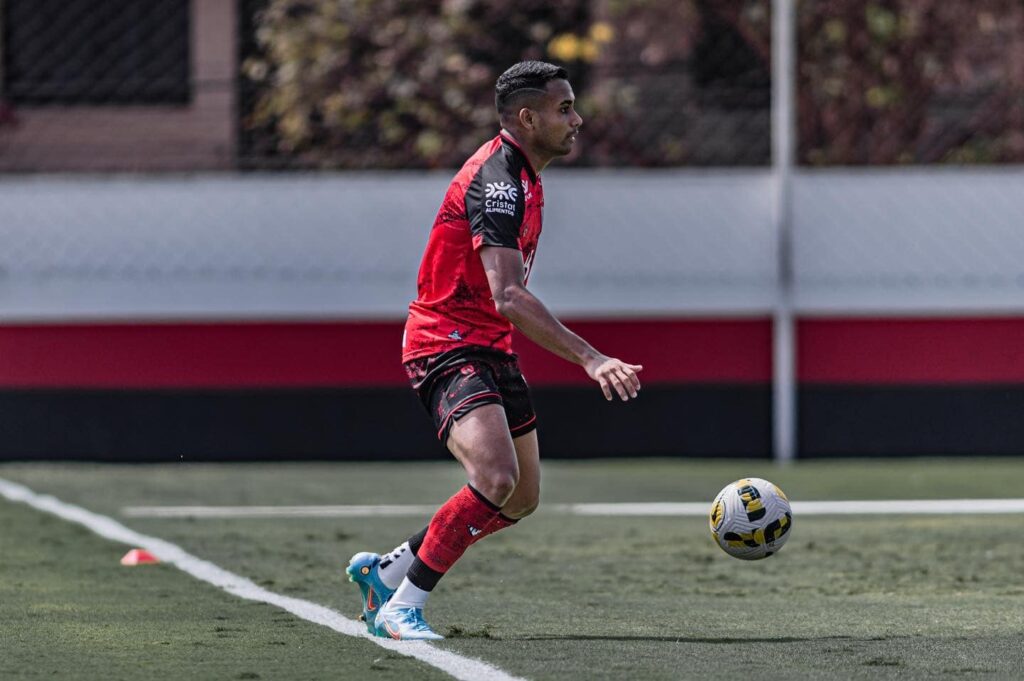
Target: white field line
(275, 511)
(801, 508)
(458, 666)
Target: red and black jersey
(496, 199)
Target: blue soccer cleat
(362, 569)
(405, 624)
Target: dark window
(96, 51)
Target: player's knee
(497, 484)
(525, 500)
(522, 508)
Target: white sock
(408, 595)
(394, 565)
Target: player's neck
(537, 160)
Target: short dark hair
(524, 79)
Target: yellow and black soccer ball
(751, 519)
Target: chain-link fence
(911, 81)
(105, 53)
(257, 84)
(405, 84)
(115, 85)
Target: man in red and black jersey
(457, 348)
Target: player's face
(557, 120)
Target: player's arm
(504, 268)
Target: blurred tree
(911, 81)
(388, 83)
(406, 84)
(682, 83)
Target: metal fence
(258, 84)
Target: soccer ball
(751, 519)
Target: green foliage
(911, 81)
(391, 83)
(681, 83)
(407, 84)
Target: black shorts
(454, 383)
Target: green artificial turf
(920, 597)
(69, 610)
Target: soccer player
(457, 347)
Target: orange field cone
(139, 557)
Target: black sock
(419, 574)
(422, 576)
(416, 540)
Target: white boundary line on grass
(276, 511)
(800, 508)
(464, 668)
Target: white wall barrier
(616, 243)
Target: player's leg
(480, 440)
(432, 378)
(526, 497)
(378, 576)
(522, 420)
(522, 424)
(393, 566)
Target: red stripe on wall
(671, 351)
(239, 355)
(201, 355)
(911, 351)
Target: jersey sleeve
(495, 205)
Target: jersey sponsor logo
(474, 531)
(500, 198)
(500, 190)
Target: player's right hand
(615, 375)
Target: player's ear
(527, 118)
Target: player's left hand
(615, 375)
